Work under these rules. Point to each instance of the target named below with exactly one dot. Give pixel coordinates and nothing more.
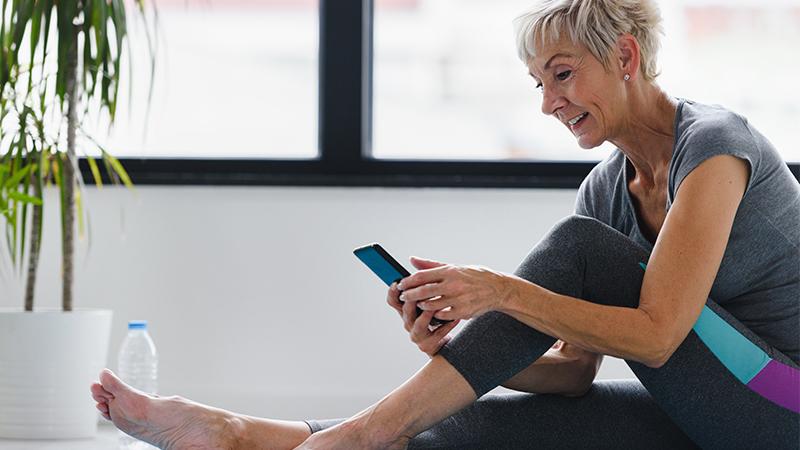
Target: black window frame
(345, 126)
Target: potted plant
(60, 62)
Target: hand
(429, 340)
(455, 292)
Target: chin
(588, 142)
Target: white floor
(106, 440)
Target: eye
(539, 87)
(564, 75)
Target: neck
(647, 134)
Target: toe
(111, 383)
(100, 394)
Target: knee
(578, 228)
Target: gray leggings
(691, 401)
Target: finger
(420, 331)
(444, 329)
(449, 314)
(421, 277)
(409, 314)
(392, 298)
(436, 303)
(423, 292)
(437, 345)
(423, 263)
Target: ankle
(377, 431)
(265, 434)
(240, 431)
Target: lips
(572, 122)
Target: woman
(682, 259)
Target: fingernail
(402, 297)
(421, 305)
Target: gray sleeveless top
(759, 279)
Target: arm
(679, 276)
(565, 370)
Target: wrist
(514, 292)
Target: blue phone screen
(380, 266)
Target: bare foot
(171, 423)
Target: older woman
(682, 259)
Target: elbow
(660, 343)
(655, 363)
(657, 358)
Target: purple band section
(779, 383)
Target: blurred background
(447, 81)
(254, 298)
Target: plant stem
(68, 180)
(33, 254)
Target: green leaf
(79, 210)
(98, 180)
(25, 198)
(15, 179)
(48, 11)
(23, 12)
(3, 172)
(118, 169)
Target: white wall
(255, 301)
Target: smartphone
(386, 268)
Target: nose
(552, 101)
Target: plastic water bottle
(137, 366)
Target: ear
(628, 55)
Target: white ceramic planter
(48, 360)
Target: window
(234, 79)
(741, 55)
(450, 104)
(448, 83)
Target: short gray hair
(596, 24)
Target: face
(579, 91)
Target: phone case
(381, 263)
(386, 268)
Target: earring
(627, 77)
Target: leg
(580, 257)
(712, 403)
(612, 415)
(177, 423)
(584, 258)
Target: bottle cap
(137, 325)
